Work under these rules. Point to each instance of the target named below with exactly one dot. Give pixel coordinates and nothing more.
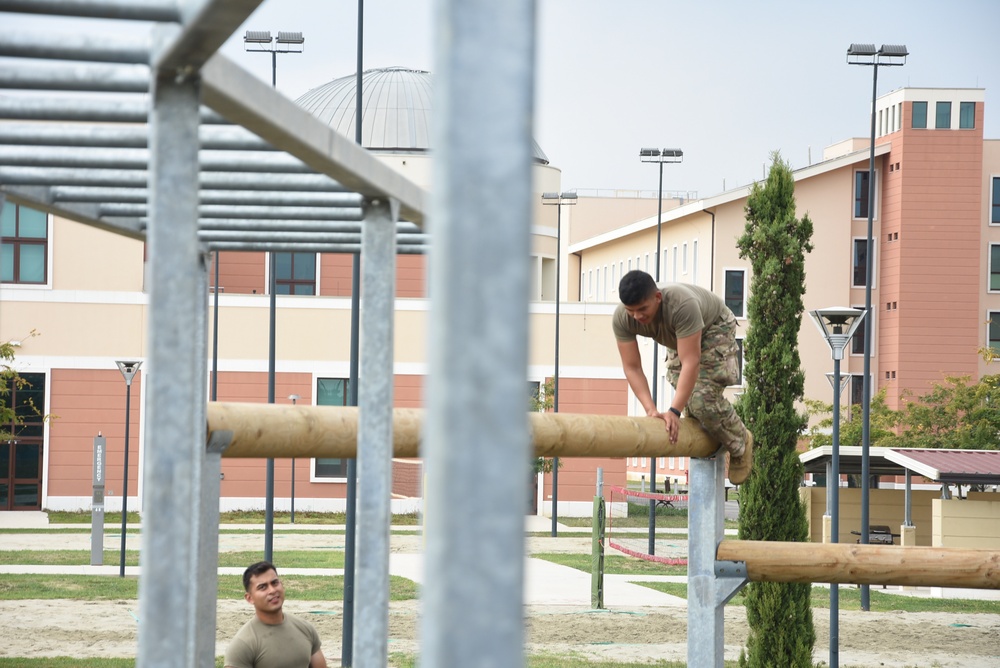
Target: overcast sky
(726, 81)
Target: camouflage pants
(719, 369)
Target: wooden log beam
(851, 563)
(271, 430)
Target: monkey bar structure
(176, 145)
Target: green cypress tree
(775, 242)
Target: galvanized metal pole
(869, 325)
(710, 583)
(174, 612)
(128, 413)
(371, 634)
(555, 375)
(655, 381)
(834, 490)
(477, 430)
(350, 531)
(271, 356)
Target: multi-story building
(937, 213)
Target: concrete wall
(966, 523)
(886, 507)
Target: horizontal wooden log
(273, 430)
(851, 563)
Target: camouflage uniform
(719, 369)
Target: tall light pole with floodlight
(262, 42)
(660, 156)
(837, 325)
(887, 55)
(557, 200)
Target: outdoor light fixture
(257, 37)
(888, 55)
(557, 199)
(128, 370)
(837, 325)
(660, 156)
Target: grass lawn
(614, 564)
(638, 518)
(321, 558)
(238, 517)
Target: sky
(728, 82)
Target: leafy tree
(10, 379)
(884, 421)
(954, 414)
(775, 241)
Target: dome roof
(396, 104)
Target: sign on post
(97, 504)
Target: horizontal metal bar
(76, 194)
(68, 108)
(306, 248)
(76, 77)
(249, 102)
(39, 197)
(295, 225)
(207, 25)
(310, 237)
(108, 48)
(247, 212)
(148, 10)
(137, 178)
(138, 158)
(217, 137)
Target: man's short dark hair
(635, 287)
(256, 569)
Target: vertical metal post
(215, 332)
(866, 398)
(555, 375)
(656, 379)
(710, 583)
(597, 547)
(834, 493)
(350, 531)
(174, 612)
(908, 496)
(97, 500)
(477, 428)
(378, 278)
(128, 412)
(271, 356)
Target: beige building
(937, 241)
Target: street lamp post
(128, 370)
(660, 156)
(837, 325)
(291, 519)
(888, 55)
(260, 41)
(557, 200)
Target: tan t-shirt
(685, 310)
(290, 644)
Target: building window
(993, 332)
(739, 360)
(330, 392)
(967, 115)
(919, 111)
(861, 193)
(694, 262)
(674, 264)
(995, 208)
(860, 263)
(21, 457)
(857, 389)
(942, 115)
(295, 273)
(858, 340)
(994, 284)
(735, 291)
(23, 245)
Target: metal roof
(964, 467)
(396, 103)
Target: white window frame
(726, 270)
(854, 240)
(875, 204)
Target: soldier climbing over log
(699, 332)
